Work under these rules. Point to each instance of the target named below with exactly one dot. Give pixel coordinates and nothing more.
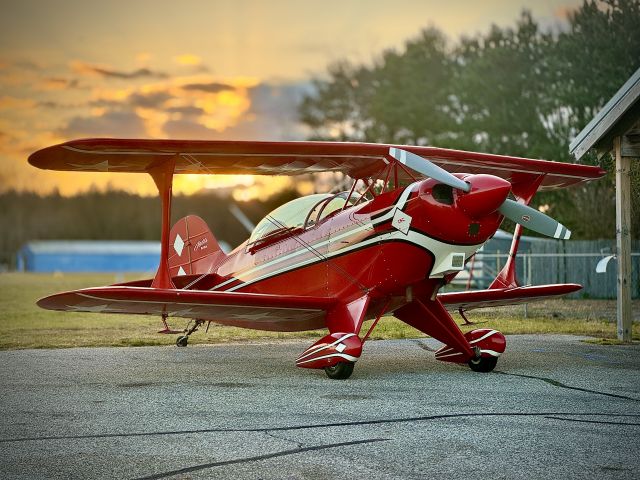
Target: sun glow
(188, 59)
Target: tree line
(519, 90)
(115, 215)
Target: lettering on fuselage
(201, 244)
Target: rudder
(194, 249)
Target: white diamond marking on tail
(178, 245)
(181, 271)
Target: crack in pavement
(594, 421)
(556, 383)
(424, 346)
(284, 439)
(257, 458)
(322, 425)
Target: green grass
(24, 325)
(607, 341)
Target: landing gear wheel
(340, 371)
(483, 364)
(182, 341)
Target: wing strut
(523, 192)
(162, 174)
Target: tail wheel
(339, 371)
(182, 341)
(483, 364)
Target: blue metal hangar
(88, 256)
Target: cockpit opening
(304, 212)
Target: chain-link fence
(548, 262)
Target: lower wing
(504, 296)
(247, 310)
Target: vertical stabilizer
(193, 248)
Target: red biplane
(411, 220)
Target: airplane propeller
(430, 169)
(517, 212)
(534, 220)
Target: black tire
(483, 364)
(182, 341)
(340, 371)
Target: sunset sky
(193, 69)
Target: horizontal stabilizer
(247, 310)
(504, 296)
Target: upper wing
(504, 296)
(248, 310)
(358, 160)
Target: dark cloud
(188, 111)
(274, 109)
(212, 87)
(195, 69)
(59, 83)
(273, 116)
(153, 100)
(86, 68)
(278, 100)
(111, 124)
(148, 100)
(189, 129)
(49, 104)
(201, 68)
(26, 64)
(67, 106)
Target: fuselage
(416, 237)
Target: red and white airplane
(411, 220)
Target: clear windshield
(326, 207)
(290, 215)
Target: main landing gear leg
(479, 349)
(183, 340)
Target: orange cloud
(7, 103)
(564, 12)
(195, 106)
(188, 59)
(143, 57)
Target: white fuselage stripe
(416, 238)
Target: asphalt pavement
(555, 407)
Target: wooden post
(623, 241)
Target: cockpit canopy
(303, 212)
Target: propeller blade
(534, 220)
(427, 168)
